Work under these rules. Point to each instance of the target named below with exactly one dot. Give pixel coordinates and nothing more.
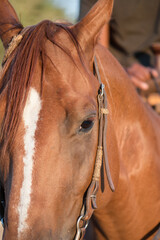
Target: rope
(98, 164)
(12, 46)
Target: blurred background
(31, 12)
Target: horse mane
(16, 77)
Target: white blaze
(30, 118)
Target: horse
(72, 122)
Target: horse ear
(88, 28)
(9, 23)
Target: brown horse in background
(49, 135)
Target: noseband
(90, 201)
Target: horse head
(49, 122)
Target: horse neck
(130, 122)
(132, 126)
(124, 103)
(136, 130)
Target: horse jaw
(88, 28)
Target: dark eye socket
(86, 125)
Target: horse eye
(86, 126)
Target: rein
(90, 201)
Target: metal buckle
(100, 98)
(79, 229)
(101, 90)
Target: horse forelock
(17, 73)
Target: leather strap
(104, 116)
(90, 202)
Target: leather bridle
(89, 204)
